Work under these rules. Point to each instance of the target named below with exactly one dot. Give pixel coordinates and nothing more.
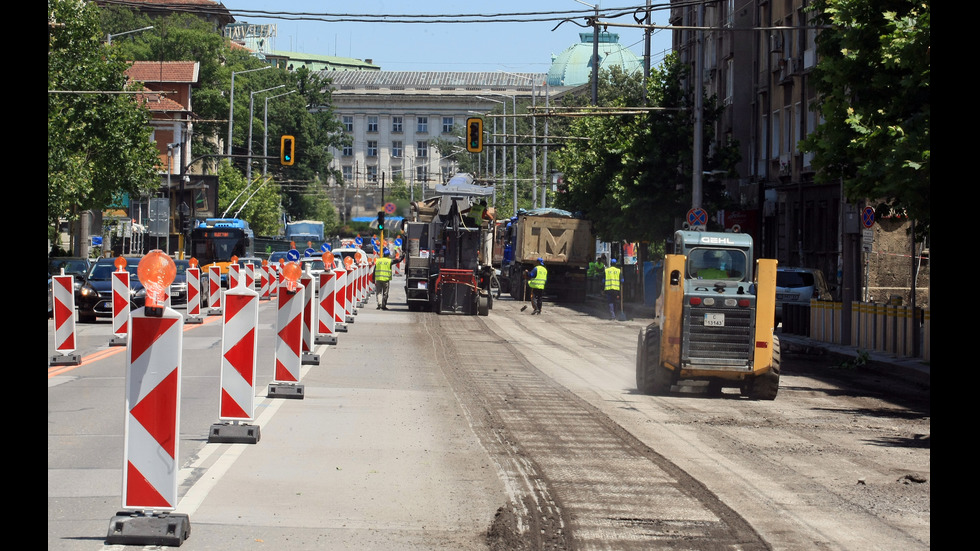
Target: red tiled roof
(158, 102)
(164, 71)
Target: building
(573, 66)
(394, 117)
(757, 58)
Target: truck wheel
(483, 305)
(765, 387)
(651, 376)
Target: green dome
(574, 66)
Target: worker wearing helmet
(382, 277)
(614, 282)
(712, 266)
(536, 280)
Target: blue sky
(487, 45)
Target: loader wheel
(766, 386)
(651, 376)
(483, 305)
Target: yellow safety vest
(612, 278)
(382, 269)
(539, 278)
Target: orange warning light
(291, 272)
(348, 262)
(192, 262)
(265, 262)
(234, 259)
(328, 260)
(120, 263)
(156, 272)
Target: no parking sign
(697, 216)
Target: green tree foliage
(98, 141)
(873, 80)
(256, 203)
(632, 174)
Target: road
(507, 431)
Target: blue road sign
(292, 255)
(309, 252)
(398, 241)
(358, 240)
(697, 217)
(868, 217)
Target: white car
(798, 286)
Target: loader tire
(651, 376)
(766, 386)
(483, 305)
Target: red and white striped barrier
(63, 313)
(309, 324)
(194, 295)
(349, 299)
(235, 276)
(327, 303)
(249, 273)
(340, 294)
(214, 289)
(264, 280)
(120, 307)
(289, 344)
(152, 411)
(239, 347)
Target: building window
(446, 173)
(422, 127)
(372, 123)
(422, 149)
(348, 173)
(421, 174)
(348, 123)
(775, 135)
(396, 149)
(372, 148)
(347, 151)
(372, 174)
(447, 125)
(396, 124)
(729, 81)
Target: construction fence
(887, 328)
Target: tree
(631, 176)
(99, 147)
(873, 80)
(258, 203)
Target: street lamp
(503, 152)
(108, 37)
(251, 105)
(231, 108)
(265, 123)
(534, 137)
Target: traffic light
(381, 220)
(287, 147)
(474, 135)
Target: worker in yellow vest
(536, 280)
(614, 282)
(382, 278)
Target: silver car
(799, 286)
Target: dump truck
(565, 243)
(448, 265)
(304, 232)
(713, 320)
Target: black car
(73, 266)
(95, 296)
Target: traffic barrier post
(309, 324)
(214, 290)
(327, 302)
(193, 295)
(239, 350)
(63, 314)
(289, 336)
(120, 304)
(340, 295)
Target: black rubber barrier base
(230, 433)
(310, 358)
(325, 339)
(285, 390)
(138, 528)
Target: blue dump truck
(304, 232)
(713, 319)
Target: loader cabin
(715, 257)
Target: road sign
(309, 252)
(697, 217)
(868, 217)
(292, 255)
(398, 241)
(359, 240)
(389, 208)
(325, 247)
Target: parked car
(74, 266)
(95, 296)
(314, 264)
(178, 289)
(798, 286)
(274, 257)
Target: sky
(369, 29)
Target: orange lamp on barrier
(192, 262)
(156, 272)
(265, 262)
(328, 260)
(291, 273)
(348, 262)
(120, 264)
(234, 259)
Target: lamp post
(231, 108)
(108, 37)
(265, 124)
(504, 104)
(534, 137)
(251, 105)
(595, 53)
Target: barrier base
(215, 311)
(285, 390)
(137, 528)
(325, 339)
(118, 340)
(232, 433)
(341, 328)
(349, 319)
(69, 359)
(310, 358)
(193, 319)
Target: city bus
(216, 240)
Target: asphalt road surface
(507, 431)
